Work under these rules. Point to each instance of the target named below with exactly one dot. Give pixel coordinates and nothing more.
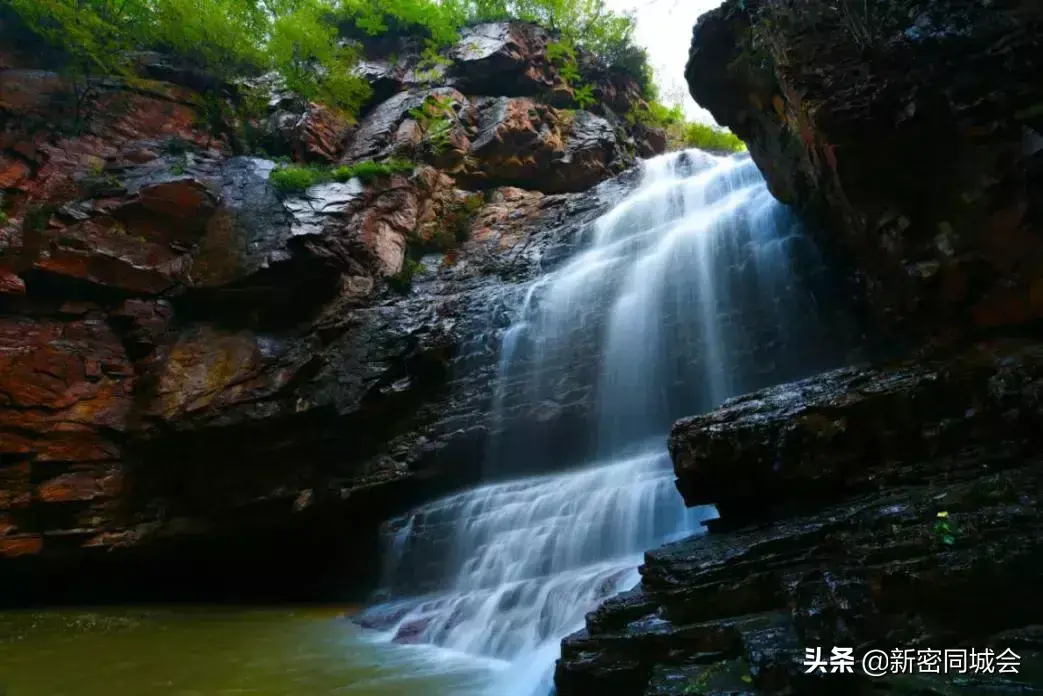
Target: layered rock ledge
(831, 492)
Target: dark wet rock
(856, 429)
(309, 133)
(910, 130)
(248, 232)
(936, 547)
(168, 69)
(383, 76)
(390, 129)
(649, 141)
(503, 58)
(412, 632)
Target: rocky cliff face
(912, 130)
(886, 508)
(881, 508)
(209, 379)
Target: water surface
(218, 652)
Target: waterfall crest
(688, 291)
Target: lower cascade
(692, 288)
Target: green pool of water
(208, 652)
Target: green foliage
(226, 36)
(403, 280)
(684, 134)
(439, 21)
(707, 137)
(303, 48)
(369, 170)
(943, 529)
(562, 54)
(456, 222)
(657, 115)
(296, 179)
(300, 38)
(96, 33)
(37, 217)
(435, 116)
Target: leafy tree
(299, 38)
(440, 21)
(226, 36)
(96, 33)
(681, 133)
(303, 47)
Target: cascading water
(683, 294)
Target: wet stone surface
(937, 547)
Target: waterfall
(694, 287)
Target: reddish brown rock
(321, 135)
(522, 143)
(209, 369)
(15, 491)
(20, 545)
(498, 221)
(65, 394)
(79, 486)
(29, 92)
(103, 251)
(11, 284)
(12, 172)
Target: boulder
(391, 129)
(520, 142)
(856, 428)
(317, 135)
(503, 59)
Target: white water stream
(678, 288)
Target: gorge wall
(211, 385)
(911, 130)
(890, 507)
